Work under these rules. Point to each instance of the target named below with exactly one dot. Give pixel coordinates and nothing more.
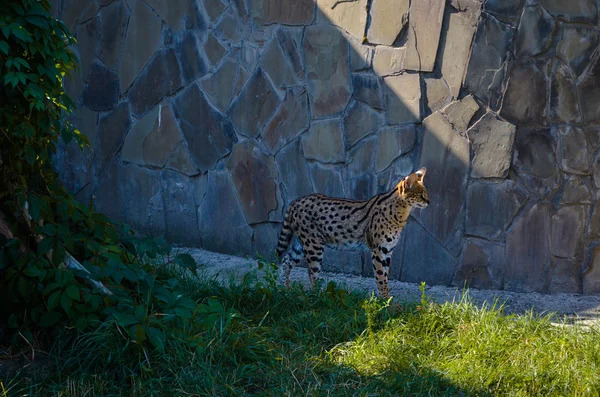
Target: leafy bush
(61, 264)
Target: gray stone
(492, 142)
(294, 172)
(576, 47)
(400, 168)
(242, 78)
(240, 7)
(327, 181)
(424, 27)
(590, 95)
(181, 161)
(87, 36)
(361, 55)
(327, 70)
(535, 32)
(593, 134)
(142, 40)
(220, 86)
(455, 47)
(393, 142)
(528, 247)
(343, 261)
(290, 45)
(438, 94)
(403, 99)
(349, 15)
(221, 203)
(114, 25)
(573, 10)
(525, 97)
(296, 12)
(214, 9)
(568, 228)
(362, 187)
(214, 50)
(487, 65)
(388, 18)
(255, 105)
(254, 177)
(535, 153)
(161, 77)
(229, 29)
(481, 265)
(324, 142)
(264, 240)
(102, 90)
(491, 207)
(152, 139)
(179, 14)
(209, 135)
(290, 120)
(576, 191)
(421, 250)
(362, 158)
(146, 213)
(112, 129)
(388, 60)
(446, 155)
(193, 64)
(460, 113)
(275, 64)
(71, 11)
(107, 192)
(367, 89)
(591, 276)
(361, 121)
(565, 277)
(505, 8)
(594, 226)
(573, 150)
(563, 96)
(180, 210)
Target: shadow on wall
(208, 117)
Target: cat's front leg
(382, 257)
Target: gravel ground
(582, 308)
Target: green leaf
(73, 292)
(45, 246)
(80, 323)
(34, 204)
(137, 333)
(49, 319)
(53, 300)
(59, 253)
(21, 34)
(124, 319)
(157, 338)
(4, 47)
(66, 302)
(140, 313)
(185, 260)
(38, 21)
(30, 155)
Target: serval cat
(318, 221)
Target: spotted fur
(318, 221)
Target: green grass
(332, 343)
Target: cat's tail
(285, 237)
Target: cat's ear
(411, 180)
(421, 173)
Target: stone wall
(207, 117)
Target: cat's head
(413, 189)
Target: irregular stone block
(438, 94)
(324, 142)
(590, 95)
(255, 105)
(361, 55)
(594, 226)
(576, 46)
(460, 113)
(152, 139)
(290, 120)
(181, 215)
(403, 99)
(264, 240)
(114, 19)
(350, 15)
(229, 29)
(142, 40)
(327, 70)
(179, 14)
(160, 77)
(576, 191)
(492, 145)
(214, 50)
(361, 121)
(209, 135)
(481, 265)
(388, 60)
(525, 100)
(446, 155)
(535, 32)
(368, 90)
(393, 142)
(290, 45)
(505, 8)
(573, 150)
(535, 153)
(505, 198)
(273, 62)
(528, 247)
(193, 64)
(112, 128)
(181, 161)
(400, 168)
(361, 187)
(566, 277)
(487, 66)
(343, 261)
(221, 202)
(424, 27)
(214, 9)
(107, 192)
(388, 18)
(102, 90)
(568, 227)
(254, 177)
(146, 213)
(327, 181)
(420, 251)
(564, 105)
(87, 36)
(297, 12)
(294, 172)
(71, 12)
(362, 158)
(220, 86)
(585, 11)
